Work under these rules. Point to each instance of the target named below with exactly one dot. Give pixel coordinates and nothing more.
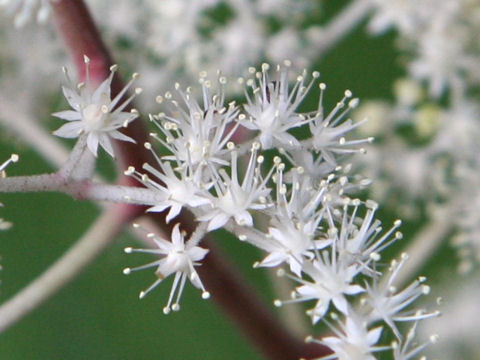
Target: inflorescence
(291, 194)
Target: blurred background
(99, 315)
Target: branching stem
(350, 16)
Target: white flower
(235, 200)
(296, 198)
(177, 192)
(291, 243)
(177, 257)
(409, 348)
(272, 106)
(177, 30)
(94, 113)
(354, 341)
(328, 131)
(240, 42)
(330, 282)
(407, 16)
(361, 245)
(388, 303)
(312, 166)
(23, 10)
(441, 57)
(197, 135)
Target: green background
(99, 315)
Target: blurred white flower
(405, 15)
(24, 10)
(443, 36)
(409, 348)
(458, 328)
(329, 130)
(388, 303)
(240, 43)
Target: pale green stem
(101, 233)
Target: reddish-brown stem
(249, 313)
(229, 290)
(81, 37)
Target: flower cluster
(244, 169)
(443, 164)
(444, 36)
(265, 169)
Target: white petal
(92, 143)
(177, 238)
(287, 139)
(277, 234)
(243, 218)
(197, 253)
(102, 93)
(174, 211)
(340, 303)
(68, 115)
(374, 335)
(106, 143)
(118, 119)
(295, 266)
(273, 259)
(320, 244)
(69, 130)
(354, 289)
(198, 201)
(74, 100)
(320, 310)
(122, 137)
(158, 208)
(218, 221)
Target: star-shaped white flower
(330, 283)
(291, 243)
(177, 191)
(353, 341)
(234, 200)
(272, 107)
(178, 257)
(180, 192)
(196, 133)
(389, 303)
(329, 130)
(94, 113)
